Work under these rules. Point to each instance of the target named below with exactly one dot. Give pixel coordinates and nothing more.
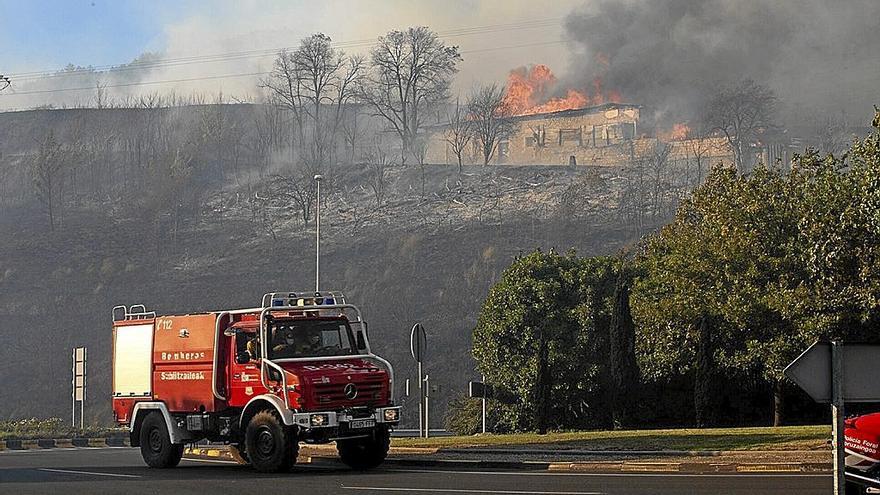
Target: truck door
(244, 376)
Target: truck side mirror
(361, 341)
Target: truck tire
(269, 445)
(365, 453)
(156, 447)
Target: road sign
(480, 390)
(418, 340)
(811, 371)
(78, 384)
(836, 372)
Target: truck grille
(332, 395)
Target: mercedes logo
(351, 391)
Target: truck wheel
(365, 453)
(270, 446)
(156, 447)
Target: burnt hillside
(200, 209)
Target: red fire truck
(862, 446)
(296, 369)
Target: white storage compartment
(132, 360)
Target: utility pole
(318, 179)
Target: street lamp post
(318, 179)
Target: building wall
(606, 137)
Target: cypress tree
(624, 369)
(705, 396)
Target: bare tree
(5, 82)
(378, 164)
(100, 94)
(352, 132)
(491, 119)
(658, 161)
(831, 133)
(297, 189)
(741, 113)
(459, 133)
(411, 73)
(309, 80)
(47, 171)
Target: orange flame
(528, 90)
(679, 132)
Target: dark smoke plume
(670, 55)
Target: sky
(48, 35)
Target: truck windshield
(309, 338)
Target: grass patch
(34, 428)
(764, 438)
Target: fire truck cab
(298, 368)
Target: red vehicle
(297, 368)
(862, 446)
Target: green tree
(543, 334)
(774, 260)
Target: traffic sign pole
(417, 344)
(836, 373)
(484, 405)
(838, 415)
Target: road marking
(456, 490)
(91, 473)
(58, 449)
(631, 475)
(215, 461)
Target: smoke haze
(671, 54)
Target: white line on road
(59, 449)
(456, 490)
(602, 475)
(90, 473)
(214, 461)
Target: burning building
(587, 126)
(606, 135)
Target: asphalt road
(120, 470)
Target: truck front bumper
(332, 419)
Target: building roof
(574, 112)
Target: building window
(570, 136)
(504, 148)
(531, 142)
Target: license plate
(358, 424)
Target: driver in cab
(286, 343)
(311, 346)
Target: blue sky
(52, 33)
(46, 35)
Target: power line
(141, 83)
(262, 73)
(218, 57)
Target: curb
(326, 455)
(634, 453)
(63, 443)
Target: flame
(528, 91)
(679, 132)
